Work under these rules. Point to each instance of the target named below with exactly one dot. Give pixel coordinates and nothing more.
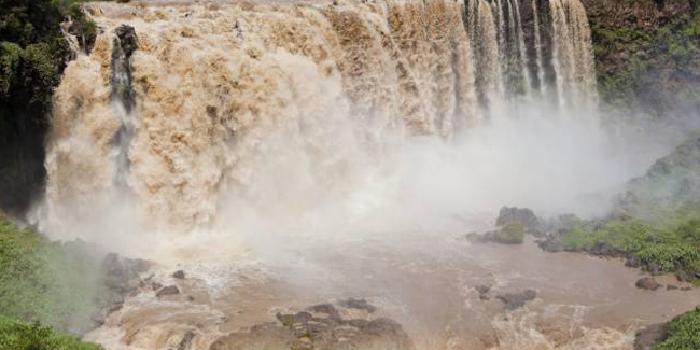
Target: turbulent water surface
(288, 154)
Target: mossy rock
(510, 234)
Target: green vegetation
(511, 234)
(683, 333)
(49, 282)
(33, 55)
(652, 69)
(656, 222)
(667, 250)
(21, 336)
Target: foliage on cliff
(54, 283)
(647, 54)
(656, 223)
(22, 336)
(33, 55)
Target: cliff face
(647, 54)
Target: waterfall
(218, 97)
(123, 98)
(490, 79)
(538, 49)
(522, 50)
(572, 53)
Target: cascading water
(538, 49)
(190, 108)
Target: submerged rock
(515, 301)
(647, 337)
(168, 290)
(324, 329)
(647, 283)
(360, 304)
(179, 274)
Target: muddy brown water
(425, 282)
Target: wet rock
(604, 249)
(179, 274)
(551, 245)
(327, 309)
(483, 291)
(127, 38)
(653, 269)
(522, 216)
(291, 319)
(186, 342)
(360, 304)
(683, 276)
(297, 331)
(633, 261)
(649, 336)
(647, 283)
(168, 290)
(121, 277)
(517, 300)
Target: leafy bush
(668, 249)
(511, 234)
(670, 257)
(22, 336)
(683, 333)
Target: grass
(683, 333)
(53, 283)
(667, 250)
(23, 336)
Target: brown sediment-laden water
(429, 283)
(290, 154)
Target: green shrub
(670, 257)
(668, 249)
(21, 336)
(683, 333)
(511, 234)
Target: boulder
(647, 283)
(179, 274)
(168, 290)
(322, 330)
(515, 301)
(523, 216)
(360, 304)
(647, 337)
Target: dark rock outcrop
(647, 283)
(522, 216)
(649, 336)
(320, 327)
(168, 290)
(515, 301)
(360, 304)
